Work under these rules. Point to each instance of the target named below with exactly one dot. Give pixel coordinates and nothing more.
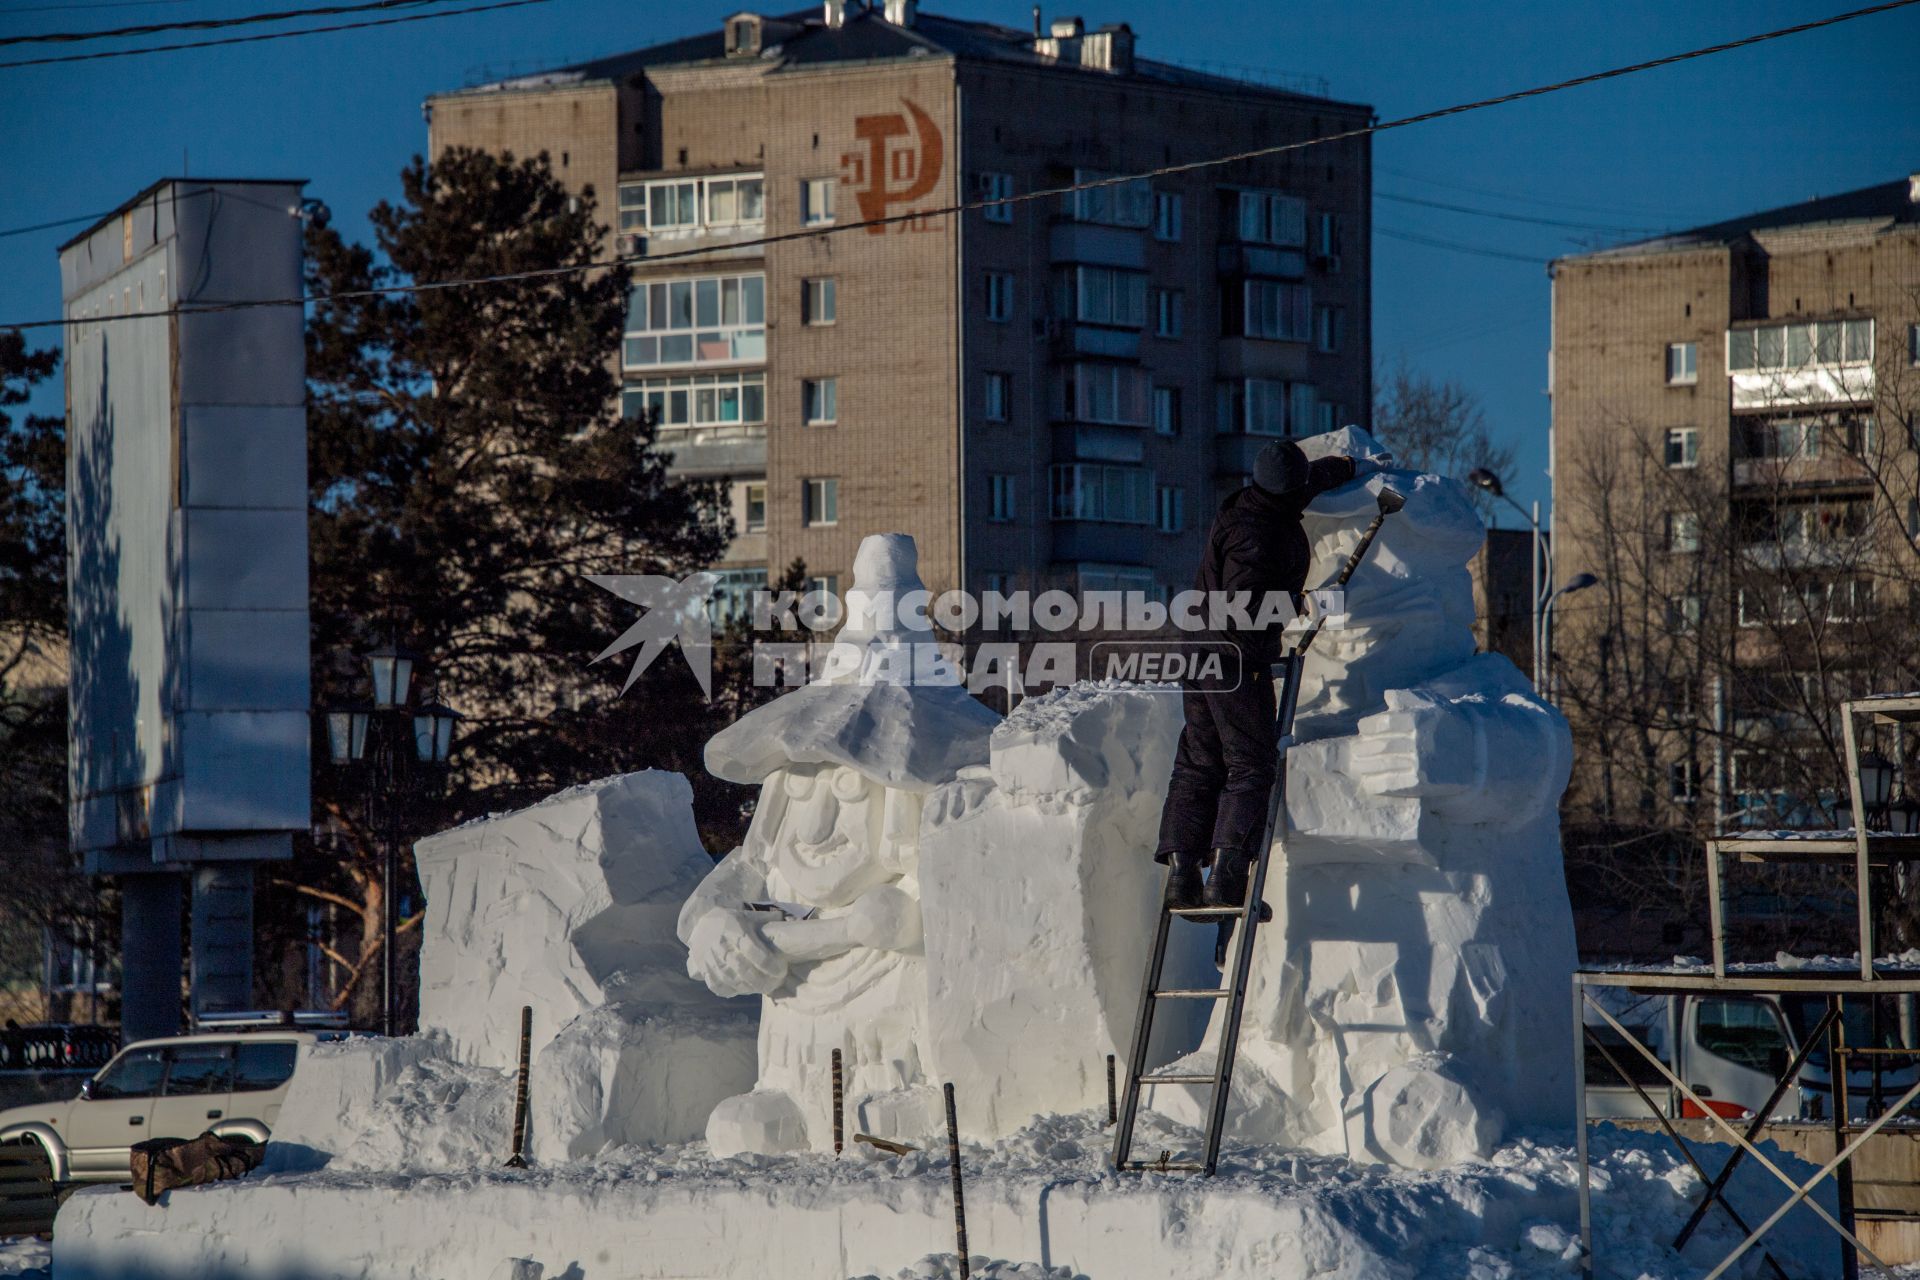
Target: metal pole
(839, 1102)
(959, 1195)
(1538, 685)
(1837, 1065)
(388, 1020)
(1113, 1105)
(1580, 1124)
(518, 1159)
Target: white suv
(179, 1087)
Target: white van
(1732, 1047)
(179, 1087)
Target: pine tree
(469, 467)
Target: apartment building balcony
(1101, 540)
(1098, 245)
(1815, 385)
(1070, 340)
(1098, 442)
(1264, 358)
(1262, 260)
(1836, 472)
(701, 452)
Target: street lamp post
(1542, 566)
(389, 725)
(1580, 582)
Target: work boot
(1227, 885)
(1183, 880)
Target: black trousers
(1224, 768)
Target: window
(820, 502)
(823, 583)
(1274, 310)
(999, 296)
(1326, 241)
(1112, 393)
(1000, 496)
(1684, 613)
(1794, 346)
(1169, 508)
(1169, 210)
(1119, 204)
(816, 201)
(1683, 446)
(1683, 531)
(997, 396)
(671, 207)
(1269, 217)
(994, 186)
(1683, 363)
(1266, 407)
(195, 1069)
(1166, 410)
(1683, 781)
(263, 1064)
(1104, 295)
(754, 502)
(820, 397)
(1850, 600)
(135, 1074)
(699, 400)
(1092, 491)
(1169, 307)
(1328, 324)
(1745, 1032)
(1328, 414)
(818, 301)
(702, 320)
(732, 598)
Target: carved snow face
(829, 842)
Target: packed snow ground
(1044, 1196)
(29, 1257)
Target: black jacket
(1256, 545)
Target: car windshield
(1884, 1022)
(134, 1074)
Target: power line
(94, 4)
(1578, 206)
(208, 24)
(1515, 217)
(1435, 242)
(47, 226)
(288, 35)
(820, 233)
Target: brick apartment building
(1734, 455)
(1045, 393)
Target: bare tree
(1435, 426)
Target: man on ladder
(1216, 806)
(1228, 791)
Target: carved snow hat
(887, 702)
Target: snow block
(1039, 894)
(332, 1084)
(564, 906)
(641, 1074)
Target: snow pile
(1040, 894)
(946, 1266)
(397, 1105)
(1044, 1195)
(27, 1257)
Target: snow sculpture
(819, 911)
(1408, 1003)
(1039, 900)
(569, 906)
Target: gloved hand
(727, 952)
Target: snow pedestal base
(1042, 1197)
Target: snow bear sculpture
(818, 911)
(1408, 1004)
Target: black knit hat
(1280, 467)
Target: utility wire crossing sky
(1017, 198)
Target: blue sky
(1809, 115)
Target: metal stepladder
(1249, 915)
